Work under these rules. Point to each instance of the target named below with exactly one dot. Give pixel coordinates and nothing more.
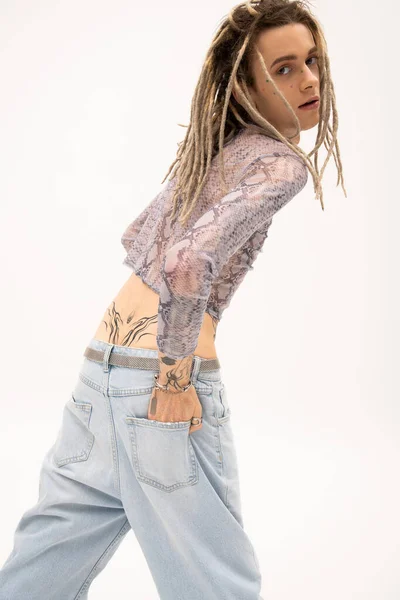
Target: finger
(152, 406)
(196, 422)
(195, 428)
(197, 417)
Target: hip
(131, 318)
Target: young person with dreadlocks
(146, 440)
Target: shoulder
(254, 150)
(248, 145)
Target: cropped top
(198, 267)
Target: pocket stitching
(225, 418)
(80, 404)
(173, 426)
(86, 407)
(226, 408)
(141, 422)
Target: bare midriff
(131, 320)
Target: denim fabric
(111, 469)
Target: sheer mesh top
(198, 267)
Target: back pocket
(75, 440)
(162, 453)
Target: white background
(92, 94)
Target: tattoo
(138, 330)
(115, 319)
(175, 372)
(134, 333)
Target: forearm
(174, 371)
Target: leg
(78, 522)
(181, 496)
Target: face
(296, 78)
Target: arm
(193, 263)
(174, 371)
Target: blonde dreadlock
(216, 117)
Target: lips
(310, 100)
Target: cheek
(271, 103)
(273, 99)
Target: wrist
(174, 371)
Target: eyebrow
(291, 56)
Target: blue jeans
(111, 469)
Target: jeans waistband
(139, 358)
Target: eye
(280, 73)
(316, 58)
(286, 67)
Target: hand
(175, 406)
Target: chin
(310, 125)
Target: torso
(131, 320)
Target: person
(146, 440)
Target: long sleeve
(191, 265)
(130, 233)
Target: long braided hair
(216, 117)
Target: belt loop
(195, 368)
(106, 358)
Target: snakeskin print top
(198, 268)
